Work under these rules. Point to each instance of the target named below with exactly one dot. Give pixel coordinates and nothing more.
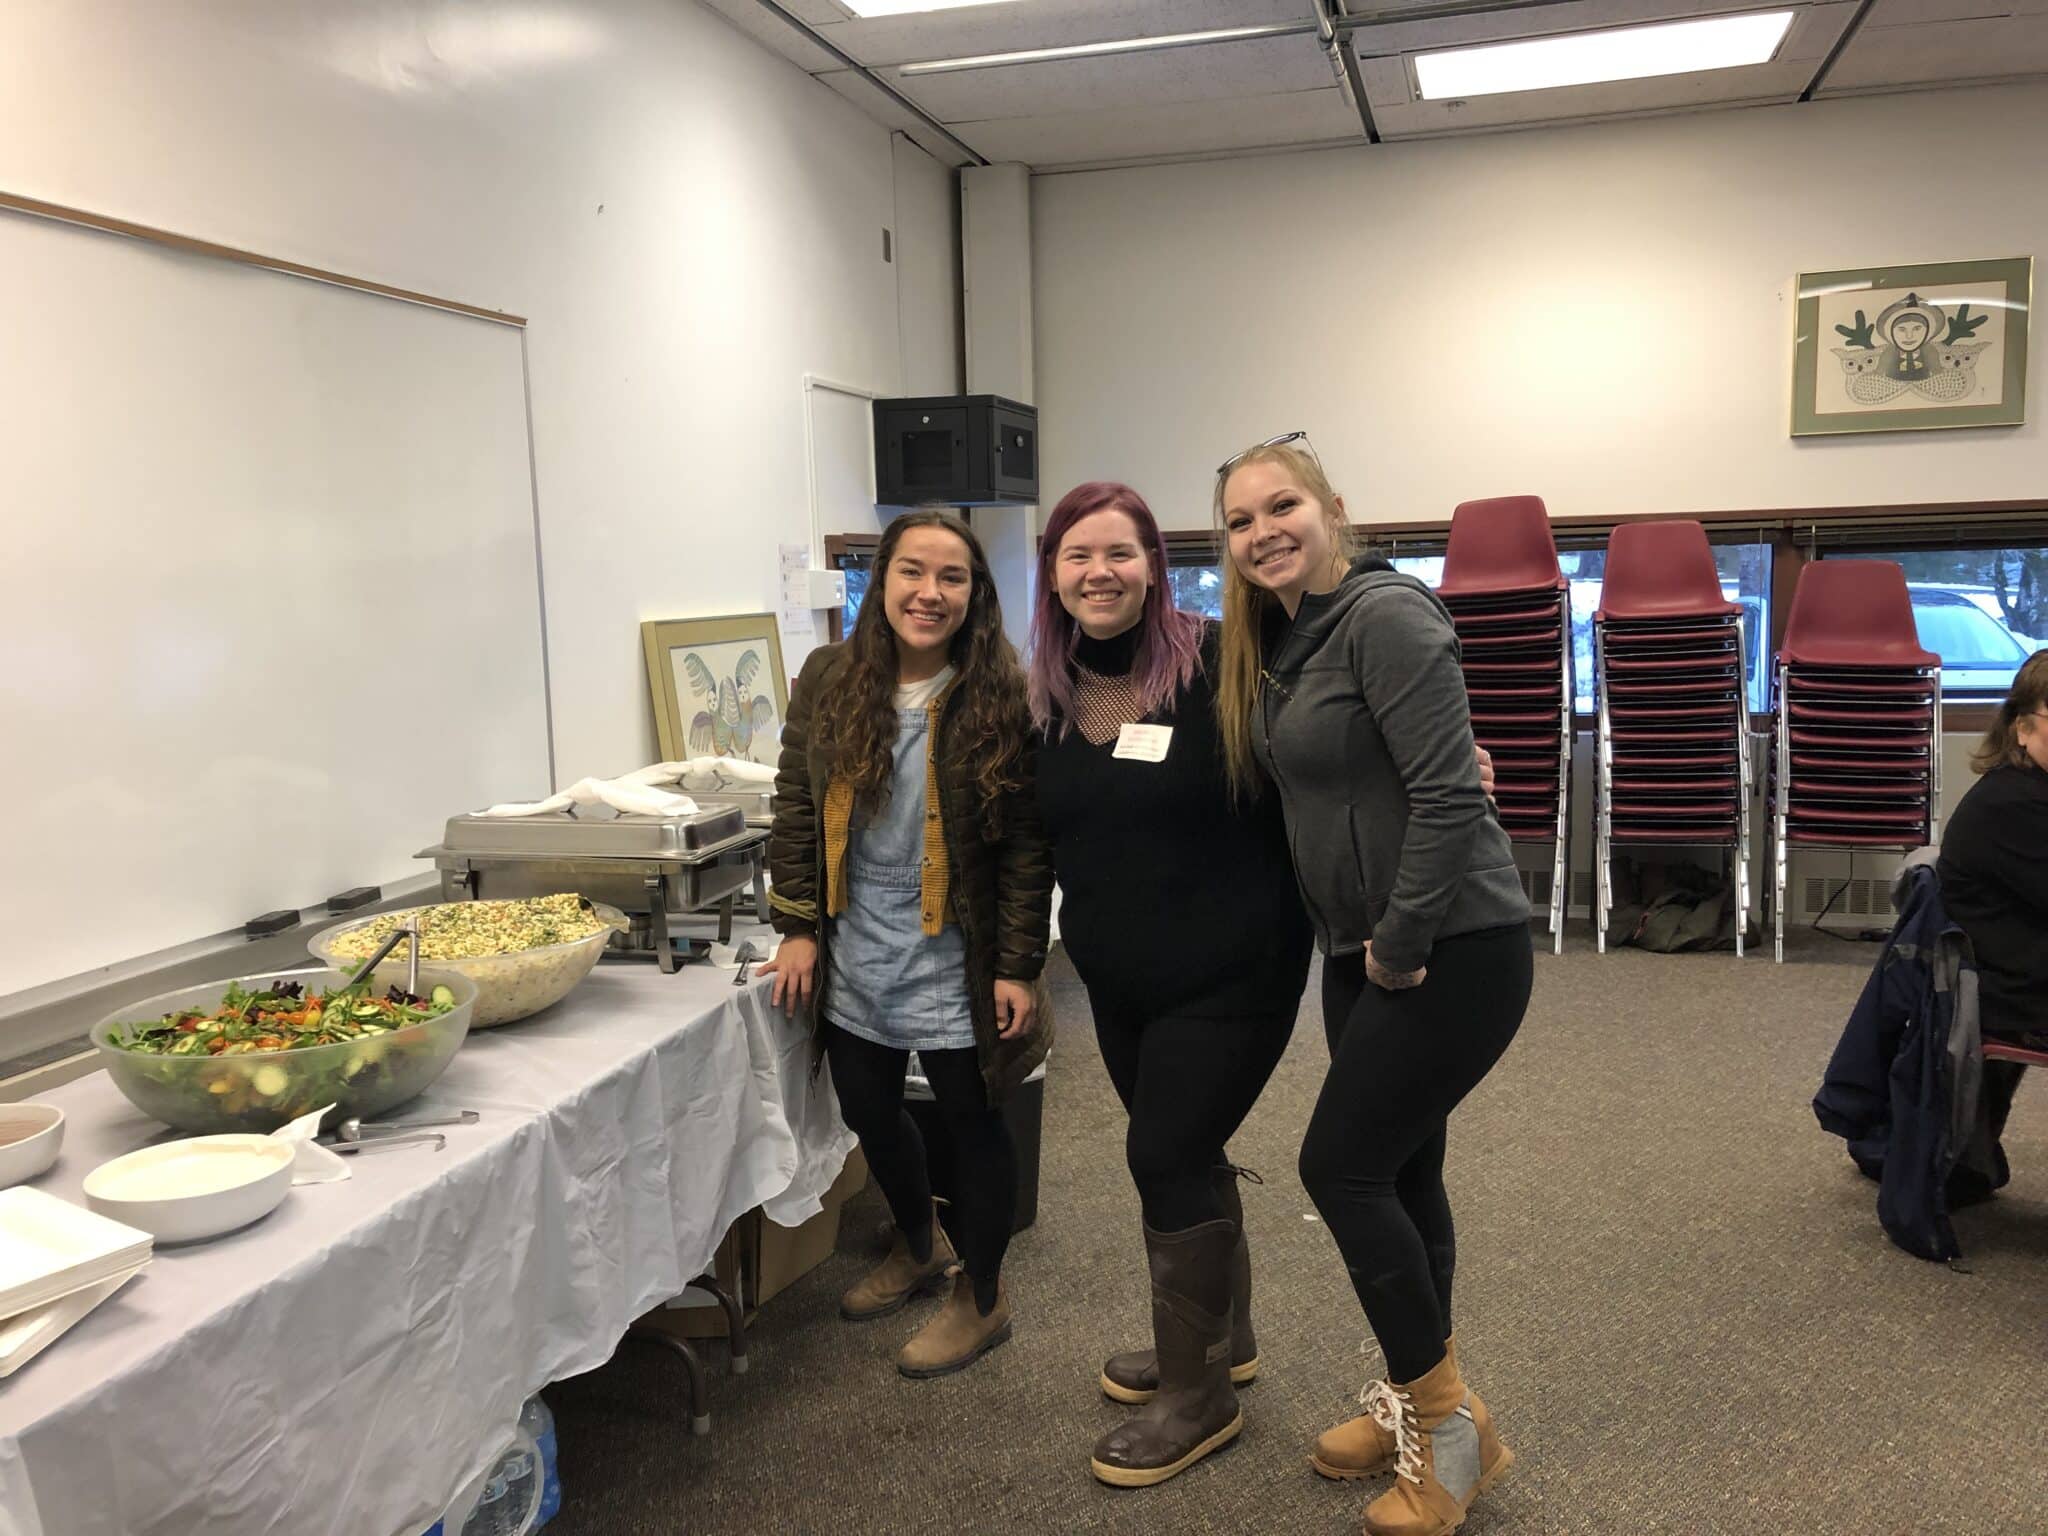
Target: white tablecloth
(347, 1363)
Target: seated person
(1994, 863)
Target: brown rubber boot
(1133, 1376)
(1359, 1447)
(1437, 1456)
(1194, 1410)
(889, 1285)
(958, 1336)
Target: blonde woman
(1340, 681)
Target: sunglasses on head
(1285, 439)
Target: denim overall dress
(892, 983)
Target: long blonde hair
(1241, 662)
(2002, 744)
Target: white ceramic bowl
(23, 1156)
(202, 1186)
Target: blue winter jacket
(1903, 1085)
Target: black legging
(869, 1080)
(1373, 1159)
(1187, 1085)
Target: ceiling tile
(1122, 134)
(1265, 67)
(1920, 42)
(1019, 24)
(1930, 53)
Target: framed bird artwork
(718, 686)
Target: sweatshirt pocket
(1370, 895)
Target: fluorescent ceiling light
(1586, 58)
(905, 7)
(1096, 50)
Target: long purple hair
(1169, 641)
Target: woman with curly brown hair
(913, 891)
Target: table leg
(735, 1319)
(693, 1372)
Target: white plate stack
(57, 1262)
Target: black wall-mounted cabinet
(963, 450)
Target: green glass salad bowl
(259, 1090)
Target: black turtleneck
(1111, 657)
(1172, 899)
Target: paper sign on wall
(798, 626)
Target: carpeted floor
(1672, 1290)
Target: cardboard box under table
(760, 1259)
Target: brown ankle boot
(1437, 1454)
(1133, 1376)
(958, 1336)
(891, 1284)
(1360, 1448)
(1194, 1410)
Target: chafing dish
(652, 868)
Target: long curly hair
(987, 718)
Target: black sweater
(1994, 882)
(1173, 899)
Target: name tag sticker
(1145, 743)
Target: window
(1983, 611)
(856, 593)
(1197, 589)
(1745, 571)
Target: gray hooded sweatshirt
(1363, 723)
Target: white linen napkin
(715, 773)
(312, 1163)
(631, 794)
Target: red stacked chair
(1858, 759)
(1511, 606)
(1672, 767)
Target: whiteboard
(269, 602)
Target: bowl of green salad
(256, 1052)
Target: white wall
(691, 224)
(927, 271)
(1598, 315)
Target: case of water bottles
(519, 1492)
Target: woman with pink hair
(1181, 913)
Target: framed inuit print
(718, 685)
(1898, 349)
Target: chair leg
(1778, 880)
